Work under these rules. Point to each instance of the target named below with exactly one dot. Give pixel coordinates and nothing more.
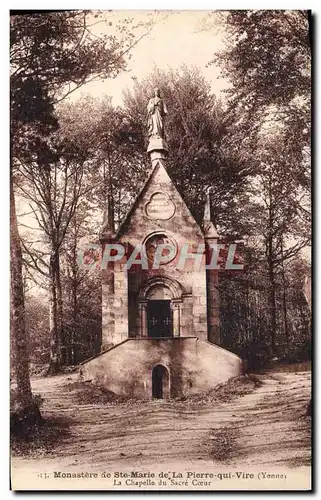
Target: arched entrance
(159, 301)
(159, 312)
(160, 382)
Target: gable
(159, 206)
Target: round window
(167, 248)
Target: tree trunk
(58, 349)
(74, 352)
(74, 316)
(60, 323)
(27, 410)
(272, 296)
(285, 309)
(54, 361)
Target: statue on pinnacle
(156, 113)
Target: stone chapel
(160, 327)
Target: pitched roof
(151, 174)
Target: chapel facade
(160, 323)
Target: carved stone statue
(156, 110)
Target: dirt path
(265, 429)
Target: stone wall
(194, 365)
(108, 317)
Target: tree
(267, 59)
(34, 126)
(283, 233)
(82, 311)
(274, 236)
(50, 55)
(26, 408)
(53, 194)
(117, 168)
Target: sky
(179, 37)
